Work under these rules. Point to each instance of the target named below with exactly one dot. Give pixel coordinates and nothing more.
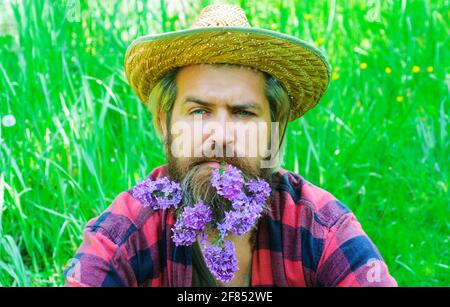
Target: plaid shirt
(308, 239)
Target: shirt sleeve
(99, 262)
(350, 259)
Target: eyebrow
(239, 106)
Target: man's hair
(163, 95)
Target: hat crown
(221, 15)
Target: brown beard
(195, 180)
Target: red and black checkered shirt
(309, 238)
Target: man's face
(212, 107)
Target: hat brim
(301, 68)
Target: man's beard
(194, 177)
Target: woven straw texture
(222, 34)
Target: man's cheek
(271, 153)
(181, 140)
(251, 140)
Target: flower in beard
(158, 194)
(232, 223)
(183, 236)
(259, 190)
(192, 222)
(242, 218)
(221, 260)
(247, 209)
(228, 182)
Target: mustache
(242, 164)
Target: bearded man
(222, 93)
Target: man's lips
(212, 163)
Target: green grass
(377, 141)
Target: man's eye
(244, 113)
(198, 112)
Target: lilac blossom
(182, 235)
(242, 219)
(158, 194)
(192, 222)
(228, 182)
(197, 217)
(221, 260)
(259, 189)
(247, 209)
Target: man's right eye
(198, 112)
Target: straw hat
(222, 34)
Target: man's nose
(223, 134)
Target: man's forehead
(214, 73)
(220, 84)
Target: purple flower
(169, 194)
(192, 222)
(241, 220)
(158, 194)
(233, 222)
(197, 217)
(259, 189)
(247, 209)
(223, 228)
(182, 235)
(241, 203)
(221, 260)
(228, 182)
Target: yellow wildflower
(415, 69)
(307, 16)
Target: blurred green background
(73, 135)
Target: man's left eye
(244, 113)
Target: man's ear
(163, 125)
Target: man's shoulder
(127, 215)
(321, 205)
